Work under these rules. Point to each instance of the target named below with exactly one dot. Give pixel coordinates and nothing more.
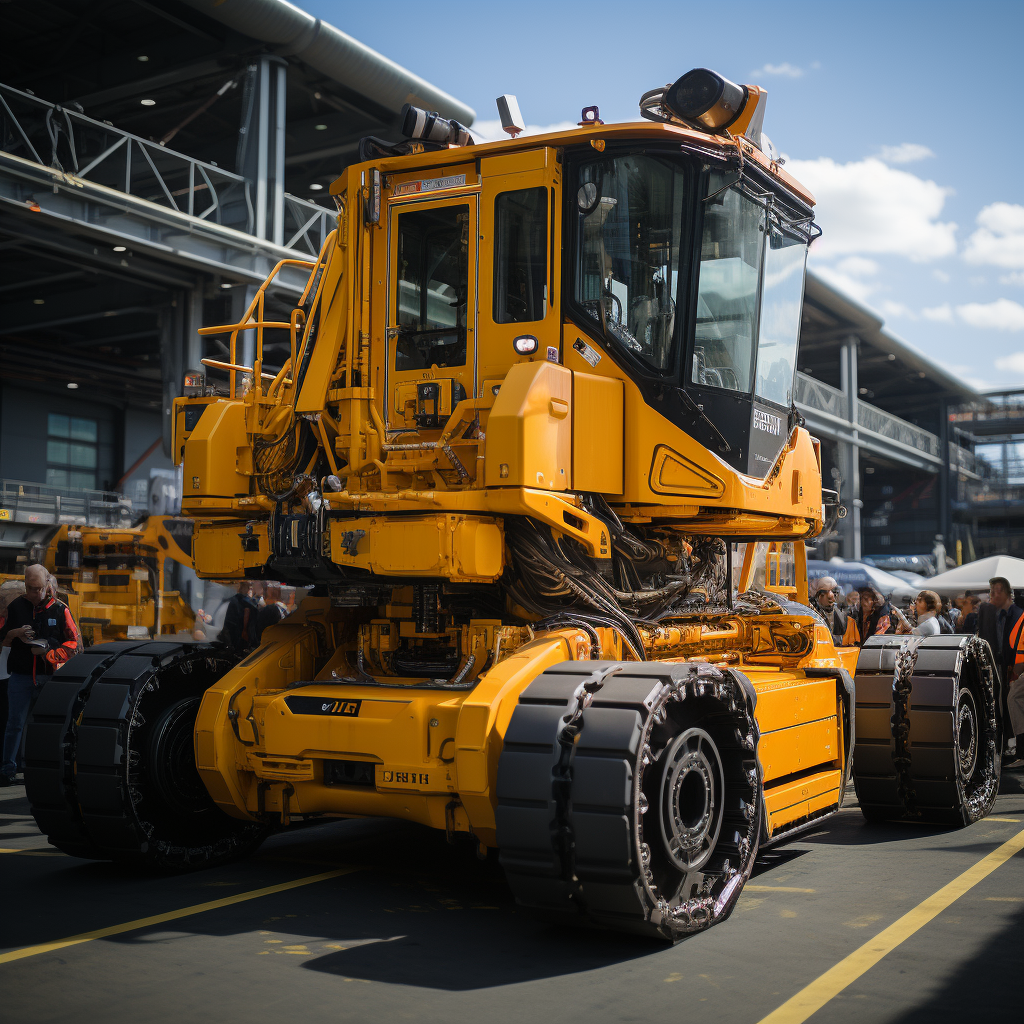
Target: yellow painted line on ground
(1016, 821)
(814, 996)
(773, 888)
(41, 852)
(172, 915)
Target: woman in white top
(928, 605)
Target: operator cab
(691, 269)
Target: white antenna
(508, 111)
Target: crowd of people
(864, 612)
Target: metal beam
(49, 279)
(141, 86)
(80, 318)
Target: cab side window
(433, 288)
(521, 256)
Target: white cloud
(857, 266)
(940, 314)
(941, 275)
(905, 153)
(1001, 315)
(868, 207)
(785, 70)
(1017, 278)
(1013, 363)
(999, 239)
(491, 131)
(898, 309)
(855, 287)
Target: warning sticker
(408, 188)
(591, 355)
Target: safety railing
(820, 396)
(22, 501)
(884, 423)
(68, 141)
(241, 377)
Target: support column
(851, 525)
(179, 349)
(261, 144)
(944, 520)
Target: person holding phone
(42, 636)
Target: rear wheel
(109, 765)
(629, 796)
(926, 745)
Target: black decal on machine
(323, 706)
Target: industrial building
(153, 169)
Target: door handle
(559, 408)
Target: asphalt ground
(406, 927)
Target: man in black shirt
(996, 618)
(42, 636)
(239, 630)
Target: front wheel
(110, 771)
(629, 795)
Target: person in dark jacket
(240, 631)
(876, 616)
(996, 619)
(42, 636)
(273, 610)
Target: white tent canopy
(975, 575)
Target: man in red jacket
(42, 636)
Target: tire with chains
(630, 796)
(926, 729)
(109, 763)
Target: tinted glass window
(520, 256)
(432, 288)
(631, 217)
(782, 296)
(730, 269)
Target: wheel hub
(967, 733)
(692, 790)
(172, 764)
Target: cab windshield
(631, 217)
(633, 212)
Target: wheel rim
(966, 733)
(691, 803)
(173, 758)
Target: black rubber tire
(585, 800)
(109, 768)
(932, 756)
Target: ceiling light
(225, 284)
(148, 103)
(120, 248)
(316, 186)
(72, 387)
(891, 357)
(38, 302)
(320, 127)
(142, 57)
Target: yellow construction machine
(534, 448)
(112, 578)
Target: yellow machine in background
(531, 440)
(113, 578)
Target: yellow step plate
(795, 800)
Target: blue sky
(903, 117)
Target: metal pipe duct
(294, 33)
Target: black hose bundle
(552, 576)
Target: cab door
(520, 239)
(432, 309)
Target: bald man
(823, 593)
(42, 636)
